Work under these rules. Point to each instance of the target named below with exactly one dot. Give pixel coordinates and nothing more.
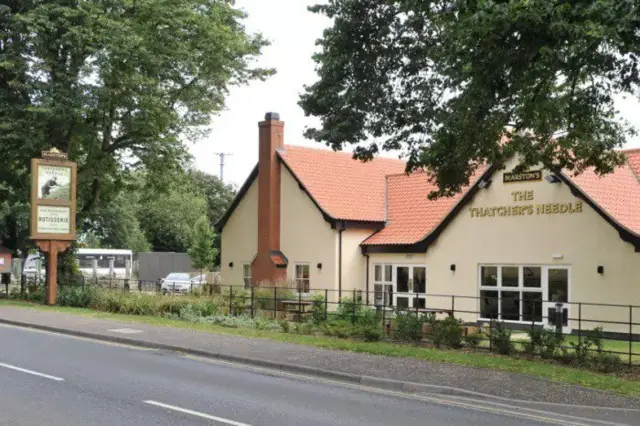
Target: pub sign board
(532, 175)
(5, 260)
(53, 197)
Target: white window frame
(296, 279)
(384, 284)
(247, 284)
(499, 288)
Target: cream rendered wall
(585, 240)
(305, 237)
(240, 237)
(354, 264)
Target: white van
(30, 269)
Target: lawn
(537, 368)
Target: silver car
(181, 282)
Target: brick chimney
(270, 263)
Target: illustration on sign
(54, 182)
(54, 220)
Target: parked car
(181, 282)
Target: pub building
(508, 247)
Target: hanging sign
(53, 197)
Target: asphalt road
(49, 379)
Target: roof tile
(633, 158)
(345, 188)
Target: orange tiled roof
(617, 193)
(633, 158)
(344, 188)
(412, 216)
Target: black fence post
(326, 303)
(579, 322)
(22, 284)
(453, 306)
(384, 322)
(275, 303)
(126, 285)
(490, 335)
(353, 310)
(630, 335)
(252, 309)
(230, 300)
(300, 306)
(559, 318)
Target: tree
(219, 197)
(120, 85)
(202, 252)
(445, 81)
(167, 218)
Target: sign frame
(44, 202)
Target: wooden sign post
(53, 210)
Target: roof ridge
(345, 153)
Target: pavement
(390, 373)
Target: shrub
(447, 332)
(317, 308)
(501, 339)
(285, 326)
(237, 299)
(370, 333)
(473, 340)
(408, 326)
(544, 342)
(349, 309)
(590, 342)
(605, 362)
(339, 328)
(78, 297)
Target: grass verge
(536, 368)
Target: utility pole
(222, 155)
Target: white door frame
(546, 305)
(411, 294)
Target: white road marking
(125, 330)
(35, 373)
(195, 413)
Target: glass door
(410, 287)
(556, 287)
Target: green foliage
(446, 80)
(447, 332)
(544, 342)
(473, 339)
(408, 326)
(78, 297)
(350, 309)
(318, 308)
(237, 299)
(501, 339)
(167, 218)
(605, 362)
(285, 326)
(119, 86)
(201, 252)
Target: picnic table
(297, 310)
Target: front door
(556, 287)
(410, 287)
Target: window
(383, 285)
(246, 275)
(511, 293)
(302, 278)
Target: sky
(292, 31)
